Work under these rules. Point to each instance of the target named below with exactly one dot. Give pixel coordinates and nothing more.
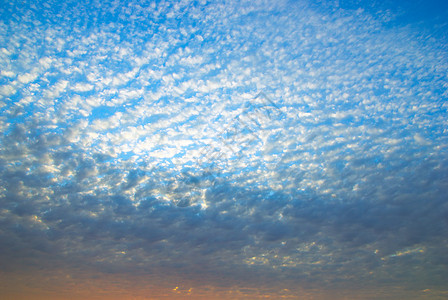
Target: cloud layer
(135, 141)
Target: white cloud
(56, 89)
(8, 73)
(83, 87)
(27, 78)
(45, 62)
(421, 140)
(7, 90)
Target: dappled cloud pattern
(241, 149)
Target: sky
(223, 149)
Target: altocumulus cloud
(239, 150)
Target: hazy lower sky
(223, 149)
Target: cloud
(8, 73)
(82, 87)
(27, 78)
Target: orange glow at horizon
(61, 285)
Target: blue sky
(224, 149)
